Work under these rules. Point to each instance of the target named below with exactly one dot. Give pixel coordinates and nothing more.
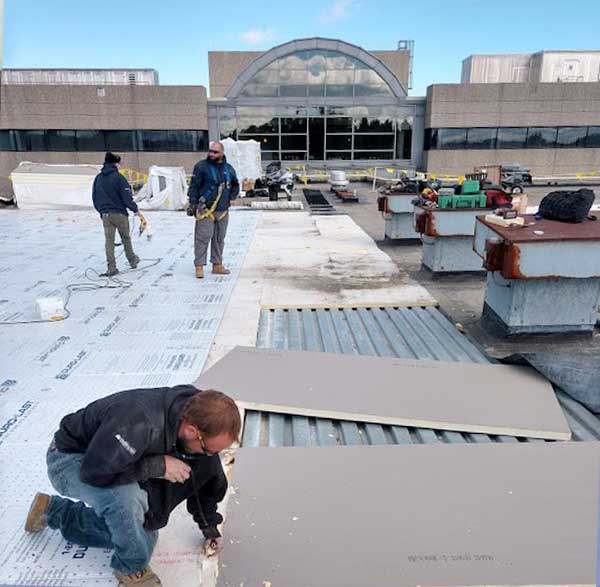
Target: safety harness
(210, 212)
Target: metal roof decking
(415, 332)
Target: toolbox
(469, 187)
(463, 201)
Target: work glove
(191, 210)
(201, 204)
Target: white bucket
(51, 308)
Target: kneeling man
(129, 459)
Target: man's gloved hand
(191, 210)
(201, 204)
(213, 546)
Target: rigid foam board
(467, 397)
(397, 516)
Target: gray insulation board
(468, 397)
(428, 515)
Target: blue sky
(173, 36)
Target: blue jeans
(114, 519)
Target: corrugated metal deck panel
(422, 333)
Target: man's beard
(185, 446)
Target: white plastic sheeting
(245, 158)
(165, 189)
(44, 186)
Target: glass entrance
(316, 139)
(323, 133)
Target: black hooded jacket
(111, 192)
(124, 437)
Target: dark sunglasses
(213, 151)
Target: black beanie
(111, 158)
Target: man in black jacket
(112, 198)
(132, 457)
(214, 185)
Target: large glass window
(431, 136)
(541, 137)
(249, 126)
(316, 73)
(289, 156)
(571, 136)
(258, 90)
(332, 132)
(154, 140)
(31, 140)
(339, 125)
(339, 83)
(452, 138)
(60, 140)
(404, 138)
(374, 142)
(373, 154)
(90, 140)
(369, 83)
(339, 142)
(101, 140)
(7, 141)
(373, 125)
(183, 140)
(119, 140)
(293, 125)
(257, 121)
(511, 138)
(535, 137)
(343, 155)
(481, 138)
(593, 137)
(227, 123)
(293, 142)
(267, 142)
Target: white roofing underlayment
(161, 330)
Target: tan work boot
(146, 578)
(36, 518)
(200, 272)
(220, 269)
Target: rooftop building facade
(318, 101)
(540, 67)
(82, 77)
